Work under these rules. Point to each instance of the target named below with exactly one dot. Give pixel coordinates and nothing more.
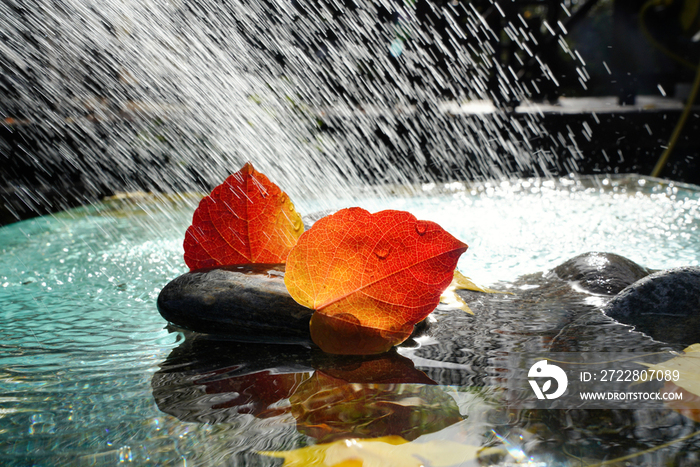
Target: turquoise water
(82, 344)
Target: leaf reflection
(329, 397)
(379, 397)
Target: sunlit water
(81, 341)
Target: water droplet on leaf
(421, 227)
(382, 252)
(297, 224)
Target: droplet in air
(421, 227)
(396, 47)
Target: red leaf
(370, 277)
(246, 219)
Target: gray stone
(664, 305)
(601, 273)
(248, 302)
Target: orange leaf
(246, 219)
(370, 277)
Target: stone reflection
(213, 381)
(329, 397)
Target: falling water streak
(173, 96)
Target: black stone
(248, 302)
(601, 273)
(664, 305)
(251, 303)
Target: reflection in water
(77, 371)
(330, 397)
(212, 381)
(450, 384)
(380, 397)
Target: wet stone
(251, 303)
(246, 302)
(601, 273)
(664, 305)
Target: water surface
(90, 374)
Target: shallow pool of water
(91, 375)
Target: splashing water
(174, 96)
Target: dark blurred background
(625, 68)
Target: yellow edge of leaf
(452, 300)
(460, 281)
(689, 369)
